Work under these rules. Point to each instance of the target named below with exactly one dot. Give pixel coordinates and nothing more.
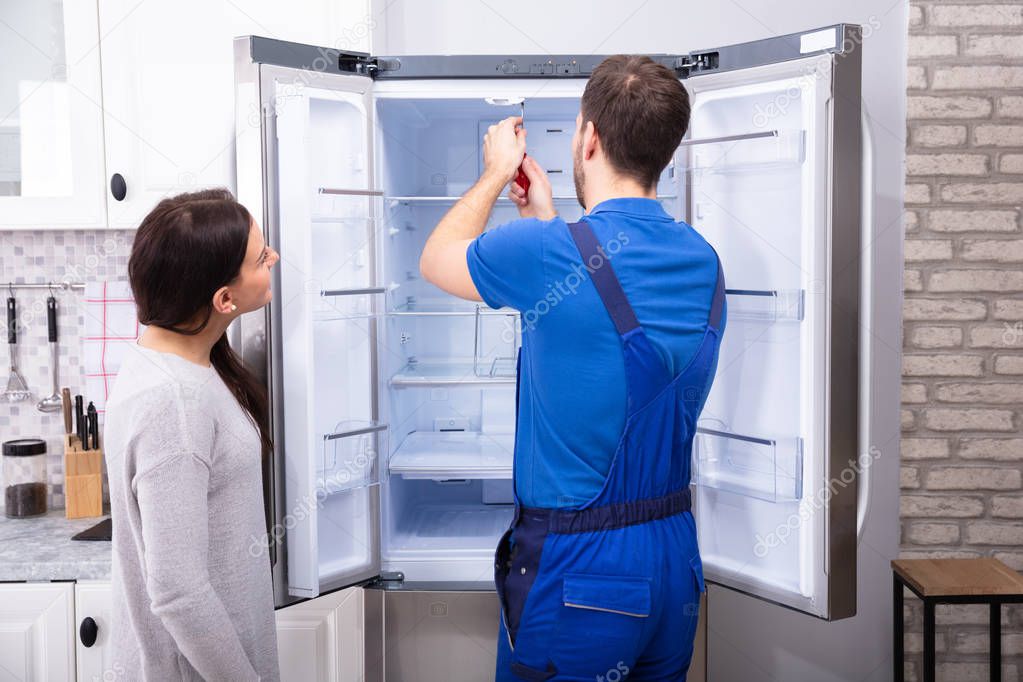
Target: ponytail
(249, 393)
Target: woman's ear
(223, 301)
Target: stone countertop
(41, 548)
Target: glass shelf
(441, 455)
(459, 528)
(359, 307)
(351, 207)
(447, 307)
(765, 305)
(767, 469)
(350, 456)
(445, 372)
(353, 221)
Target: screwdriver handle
(521, 178)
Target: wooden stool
(954, 581)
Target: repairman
(599, 576)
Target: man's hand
(504, 145)
(539, 202)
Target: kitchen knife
(65, 395)
(80, 420)
(93, 426)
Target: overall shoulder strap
(603, 276)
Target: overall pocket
(517, 562)
(599, 625)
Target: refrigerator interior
(397, 390)
(447, 366)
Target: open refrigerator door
(771, 179)
(328, 302)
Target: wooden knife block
(83, 480)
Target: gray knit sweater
(192, 588)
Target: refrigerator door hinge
(391, 577)
(695, 62)
(366, 65)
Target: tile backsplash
(40, 256)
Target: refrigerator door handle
(866, 309)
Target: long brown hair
(189, 246)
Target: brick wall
(962, 390)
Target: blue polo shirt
(572, 400)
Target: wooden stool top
(959, 577)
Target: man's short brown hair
(640, 111)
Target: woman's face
(251, 288)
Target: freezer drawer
(452, 636)
(431, 636)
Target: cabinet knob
(88, 632)
(118, 187)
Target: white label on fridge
(816, 41)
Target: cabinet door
(773, 182)
(92, 630)
(35, 632)
(323, 639)
(51, 124)
(168, 91)
(167, 101)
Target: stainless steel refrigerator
(393, 403)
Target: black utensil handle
(12, 320)
(51, 318)
(88, 631)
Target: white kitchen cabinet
(51, 122)
(91, 631)
(168, 89)
(323, 639)
(35, 626)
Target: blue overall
(610, 589)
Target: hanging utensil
(52, 403)
(17, 389)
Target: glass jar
(24, 477)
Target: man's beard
(577, 174)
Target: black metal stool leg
(898, 643)
(996, 642)
(928, 640)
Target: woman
(185, 430)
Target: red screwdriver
(521, 178)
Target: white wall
(749, 640)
